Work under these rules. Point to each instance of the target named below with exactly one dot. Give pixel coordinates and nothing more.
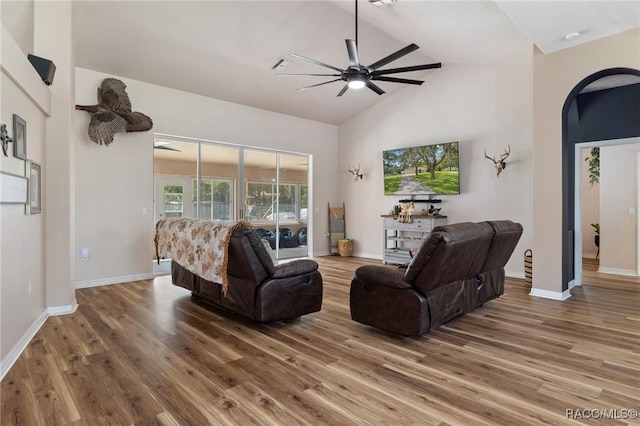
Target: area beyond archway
(603, 106)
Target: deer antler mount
(355, 172)
(499, 164)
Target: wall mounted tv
(422, 170)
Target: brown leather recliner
(257, 288)
(457, 269)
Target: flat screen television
(422, 170)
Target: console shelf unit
(402, 240)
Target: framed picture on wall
(19, 137)
(34, 172)
(13, 188)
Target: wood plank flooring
(145, 353)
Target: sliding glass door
(213, 181)
(219, 168)
(175, 163)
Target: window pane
(216, 199)
(173, 201)
(222, 199)
(260, 201)
(304, 191)
(287, 199)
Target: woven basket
(528, 266)
(345, 248)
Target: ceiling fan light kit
(357, 76)
(356, 83)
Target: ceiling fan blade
(398, 80)
(344, 89)
(374, 87)
(396, 55)
(313, 61)
(352, 50)
(312, 75)
(166, 148)
(319, 84)
(407, 69)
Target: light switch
(632, 211)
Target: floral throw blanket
(200, 246)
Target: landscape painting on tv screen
(422, 170)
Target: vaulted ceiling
(226, 49)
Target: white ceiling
(225, 49)
(547, 23)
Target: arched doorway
(603, 106)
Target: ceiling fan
(163, 145)
(358, 76)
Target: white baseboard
(589, 255)
(548, 294)
(21, 345)
(115, 280)
(319, 253)
(62, 310)
(367, 255)
(514, 274)
(617, 271)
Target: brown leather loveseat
(457, 269)
(258, 289)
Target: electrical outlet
(84, 254)
(30, 288)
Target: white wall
(618, 226)
(555, 75)
(114, 184)
(22, 236)
(481, 106)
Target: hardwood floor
(145, 353)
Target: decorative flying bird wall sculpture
(113, 113)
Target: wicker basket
(528, 267)
(345, 248)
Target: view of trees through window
(261, 202)
(216, 199)
(173, 201)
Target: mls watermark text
(601, 413)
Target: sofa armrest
(295, 268)
(382, 276)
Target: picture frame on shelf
(19, 137)
(34, 173)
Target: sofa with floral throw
(252, 285)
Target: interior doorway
(602, 107)
(617, 214)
